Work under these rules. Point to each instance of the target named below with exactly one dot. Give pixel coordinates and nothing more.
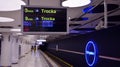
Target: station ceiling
(82, 20)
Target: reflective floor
(34, 59)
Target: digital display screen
(44, 20)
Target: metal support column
(105, 14)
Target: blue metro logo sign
(91, 53)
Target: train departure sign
(44, 20)
(91, 53)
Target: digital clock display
(44, 20)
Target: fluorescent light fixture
(88, 9)
(19, 33)
(6, 19)
(15, 30)
(44, 36)
(69, 18)
(75, 3)
(11, 5)
(39, 42)
(42, 40)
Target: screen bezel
(32, 33)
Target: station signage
(44, 20)
(91, 53)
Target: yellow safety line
(61, 60)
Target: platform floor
(35, 59)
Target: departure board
(44, 20)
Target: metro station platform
(38, 59)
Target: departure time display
(36, 19)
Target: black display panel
(37, 20)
